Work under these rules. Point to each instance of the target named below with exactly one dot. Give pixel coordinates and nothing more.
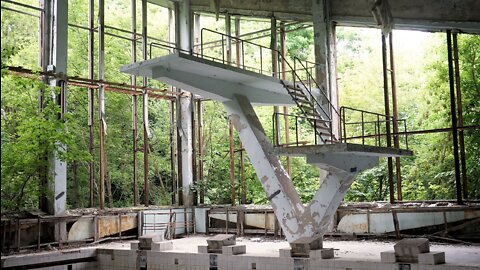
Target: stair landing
(343, 148)
(212, 79)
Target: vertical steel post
(387, 113)
(194, 149)
(196, 33)
(396, 139)
(461, 137)
(101, 98)
(43, 61)
(133, 81)
(173, 153)
(146, 131)
(200, 149)
(228, 32)
(91, 100)
(453, 113)
(238, 44)
(232, 161)
(273, 47)
(173, 142)
(283, 52)
(239, 60)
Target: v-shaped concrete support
(297, 220)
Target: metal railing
(299, 137)
(301, 74)
(307, 83)
(370, 126)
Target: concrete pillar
(56, 16)
(296, 220)
(184, 41)
(325, 55)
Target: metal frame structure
(98, 84)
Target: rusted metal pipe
(200, 149)
(453, 113)
(387, 113)
(145, 109)
(461, 137)
(283, 51)
(133, 82)
(101, 99)
(396, 139)
(91, 101)
(232, 161)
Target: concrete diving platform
(239, 90)
(211, 79)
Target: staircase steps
(307, 104)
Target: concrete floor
(367, 250)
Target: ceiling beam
(424, 15)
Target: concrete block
(324, 253)
(234, 249)
(302, 246)
(162, 246)
(134, 245)
(408, 249)
(202, 249)
(285, 252)
(218, 241)
(431, 258)
(388, 257)
(145, 241)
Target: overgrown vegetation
(28, 136)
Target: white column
(57, 33)
(296, 220)
(184, 41)
(325, 54)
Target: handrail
(360, 110)
(388, 121)
(296, 78)
(297, 82)
(275, 137)
(318, 86)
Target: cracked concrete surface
(296, 220)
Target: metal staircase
(327, 123)
(308, 105)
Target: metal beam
(425, 15)
(387, 113)
(91, 101)
(461, 137)
(133, 81)
(453, 114)
(396, 138)
(101, 99)
(146, 131)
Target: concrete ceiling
(425, 15)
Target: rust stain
(109, 225)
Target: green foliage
(299, 43)
(30, 138)
(424, 100)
